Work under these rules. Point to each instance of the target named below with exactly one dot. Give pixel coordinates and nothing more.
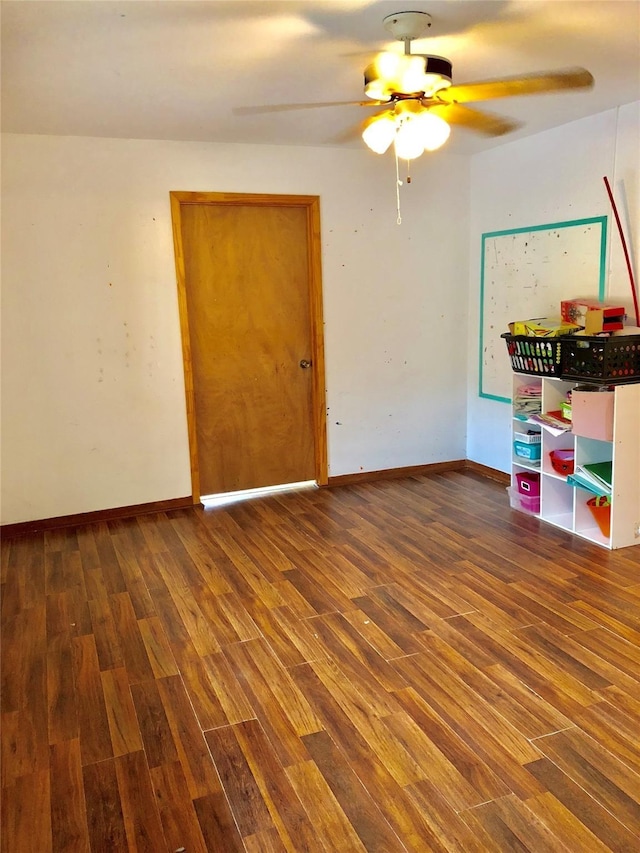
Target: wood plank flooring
(406, 665)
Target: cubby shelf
(562, 504)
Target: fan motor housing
(437, 66)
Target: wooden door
(248, 271)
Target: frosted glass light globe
(409, 142)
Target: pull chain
(398, 185)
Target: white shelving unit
(564, 505)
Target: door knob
(304, 363)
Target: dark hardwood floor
(406, 665)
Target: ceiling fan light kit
(411, 128)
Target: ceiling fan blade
(279, 108)
(485, 123)
(349, 135)
(529, 84)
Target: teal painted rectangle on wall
(526, 273)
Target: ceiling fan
(420, 100)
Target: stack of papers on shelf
(595, 477)
(554, 422)
(527, 401)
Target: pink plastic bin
(528, 484)
(523, 502)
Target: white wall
(550, 177)
(92, 391)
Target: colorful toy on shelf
(565, 407)
(544, 327)
(595, 317)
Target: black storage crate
(614, 360)
(539, 356)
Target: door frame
(311, 204)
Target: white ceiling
(165, 69)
